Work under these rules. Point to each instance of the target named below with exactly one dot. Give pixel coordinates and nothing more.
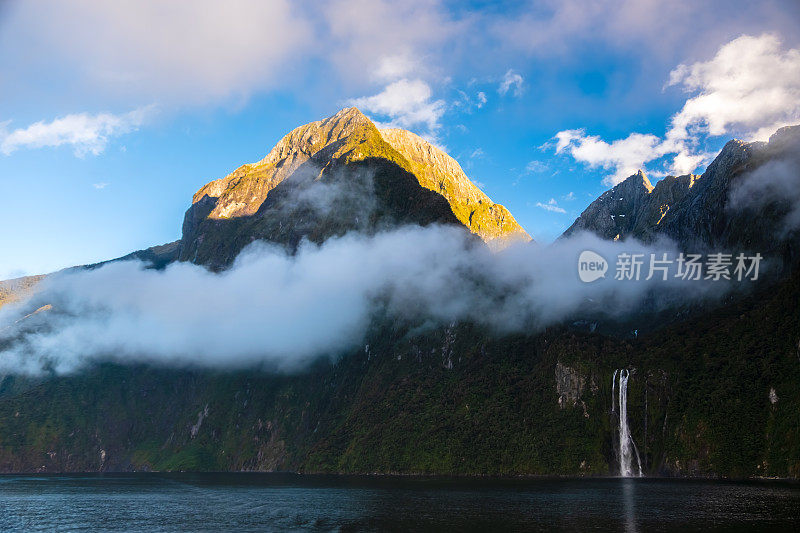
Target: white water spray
(613, 396)
(627, 448)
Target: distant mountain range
(711, 393)
(733, 205)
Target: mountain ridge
(699, 212)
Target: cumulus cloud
(623, 156)
(511, 82)
(85, 133)
(201, 51)
(404, 103)
(552, 206)
(282, 310)
(751, 87)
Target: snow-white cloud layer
(282, 310)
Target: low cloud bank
(280, 310)
(775, 182)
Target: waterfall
(613, 388)
(627, 448)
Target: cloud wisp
(85, 133)
(751, 87)
(552, 206)
(512, 82)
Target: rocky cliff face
(707, 211)
(333, 176)
(440, 173)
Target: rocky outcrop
(569, 385)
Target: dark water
(253, 502)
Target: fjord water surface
(286, 502)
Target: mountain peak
(347, 137)
(638, 179)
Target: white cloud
(477, 153)
(394, 67)
(356, 32)
(551, 205)
(87, 134)
(201, 51)
(562, 27)
(101, 185)
(406, 104)
(623, 156)
(568, 197)
(466, 103)
(182, 51)
(750, 88)
(511, 80)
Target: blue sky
(113, 114)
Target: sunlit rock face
(336, 175)
(14, 290)
(439, 172)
